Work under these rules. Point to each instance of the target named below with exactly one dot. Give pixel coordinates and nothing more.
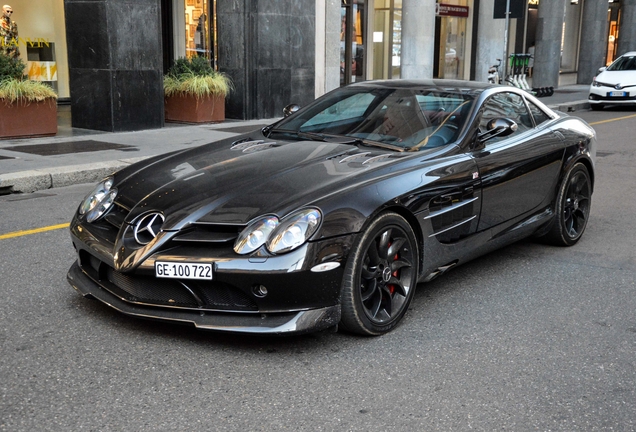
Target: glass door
(387, 39)
(452, 47)
(352, 41)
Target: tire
(380, 276)
(572, 207)
(596, 107)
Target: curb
(567, 107)
(35, 180)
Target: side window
(538, 114)
(506, 105)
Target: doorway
(352, 16)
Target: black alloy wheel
(573, 207)
(380, 276)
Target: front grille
(208, 234)
(205, 295)
(152, 290)
(612, 98)
(116, 215)
(107, 227)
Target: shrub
(11, 68)
(17, 90)
(16, 87)
(195, 76)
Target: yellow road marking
(611, 120)
(33, 231)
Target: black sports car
(331, 216)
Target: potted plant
(194, 92)
(27, 108)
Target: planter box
(28, 119)
(189, 109)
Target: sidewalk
(77, 156)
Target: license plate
(618, 94)
(179, 270)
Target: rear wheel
(380, 276)
(572, 207)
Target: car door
(518, 172)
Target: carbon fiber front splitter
(271, 323)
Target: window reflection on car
(409, 118)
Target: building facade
(108, 57)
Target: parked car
(331, 216)
(615, 84)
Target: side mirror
(290, 109)
(601, 70)
(499, 127)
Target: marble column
(627, 29)
(418, 39)
(268, 48)
(547, 55)
(490, 37)
(115, 64)
(593, 44)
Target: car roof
(441, 84)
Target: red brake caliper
(395, 275)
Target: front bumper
(260, 323)
(601, 95)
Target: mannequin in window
(8, 33)
(200, 39)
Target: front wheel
(572, 207)
(596, 107)
(380, 276)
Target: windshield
(623, 64)
(408, 118)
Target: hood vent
(252, 146)
(366, 158)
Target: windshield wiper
(371, 143)
(303, 135)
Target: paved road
(527, 338)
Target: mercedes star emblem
(148, 227)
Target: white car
(615, 84)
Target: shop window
(200, 29)
(41, 42)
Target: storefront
(42, 41)
(189, 30)
(452, 39)
(371, 39)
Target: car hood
(236, 181)
(624, 78)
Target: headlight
(255, 235)
(101, 192)
(102, 207)
(294, 230)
